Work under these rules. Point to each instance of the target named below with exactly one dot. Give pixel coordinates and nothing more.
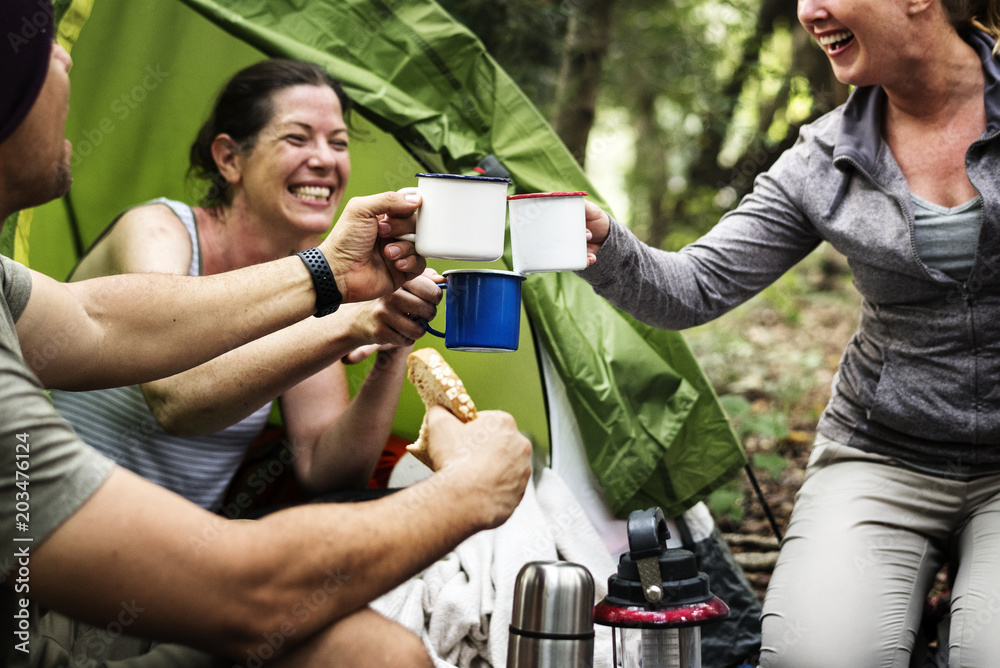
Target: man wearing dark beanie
(98, 544)
(24, 58)
(27, 53)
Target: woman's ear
(917, 6)
(226, 154)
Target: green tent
(429, 98)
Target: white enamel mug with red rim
(548, 232)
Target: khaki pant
(63, 642)
(866, 539)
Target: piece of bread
(438, 385)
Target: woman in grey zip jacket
(904, 180)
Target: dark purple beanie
(25, 48)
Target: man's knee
(364, 638)
(406, 649)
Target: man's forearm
(134, 328)
(363, 549)
(291, 573)
(147, 326)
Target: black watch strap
(328, 297)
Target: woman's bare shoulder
(149, 238)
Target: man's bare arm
(128, 329)
(222, 585)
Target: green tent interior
(429, 99)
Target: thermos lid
(554, 598)
(656, 586)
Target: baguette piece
(438, 385)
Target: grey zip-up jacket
(920, 379)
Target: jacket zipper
(963, 286)
(967, 298)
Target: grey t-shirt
(46, 472)
(946, 237)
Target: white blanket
(461, 606)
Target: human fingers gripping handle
(405, 311)
(391, 323)
(364, 262)
(427, 286)
(598, 226)
(418, 298)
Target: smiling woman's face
(865, 40)
(299, 167)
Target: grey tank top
(118, 423)
(946, 238)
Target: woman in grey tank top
(274, 157)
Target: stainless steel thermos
(552, 623)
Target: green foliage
(772, 425)
(524, 36)
(771, 463)
(697, 210)
(785, 295)
(726, 502)
(669, 67)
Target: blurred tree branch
(587, 36)
(712, 91)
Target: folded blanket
(461, 605)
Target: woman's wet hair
(982, 14)
(243, 108)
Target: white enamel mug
(460, 217)
(548, 232)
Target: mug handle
(426, 325)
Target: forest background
(673, 108)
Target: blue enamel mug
(482, 310)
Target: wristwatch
(328, 297)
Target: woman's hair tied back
(981, 14)
(244, 107)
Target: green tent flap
(430, 98)
(653, 429)
(415, 73)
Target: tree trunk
(808, 61)
(707, 169)
(649, 173)
(587, 37)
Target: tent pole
(74, 226)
